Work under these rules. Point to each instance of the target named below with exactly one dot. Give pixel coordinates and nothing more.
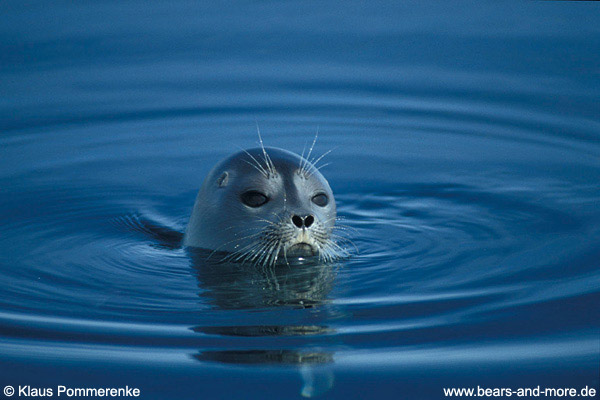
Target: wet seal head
(264, 206)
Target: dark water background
(466, 159)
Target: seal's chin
(301, 250)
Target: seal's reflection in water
(297, 284)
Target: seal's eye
(320, 199)
(254, 199)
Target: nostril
(308, 221)
(297, 221)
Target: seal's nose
(303, 222)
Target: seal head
(264, 205)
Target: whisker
(323, 166)
(302, 159)
(314, 163)
(258, 164)
(258, 169)
(268, 160)
(231, 241)
(307, 158)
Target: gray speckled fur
(220, 221)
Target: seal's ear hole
(223, 179)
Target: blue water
(466, 163)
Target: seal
(264, 205)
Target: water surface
(466, 161)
